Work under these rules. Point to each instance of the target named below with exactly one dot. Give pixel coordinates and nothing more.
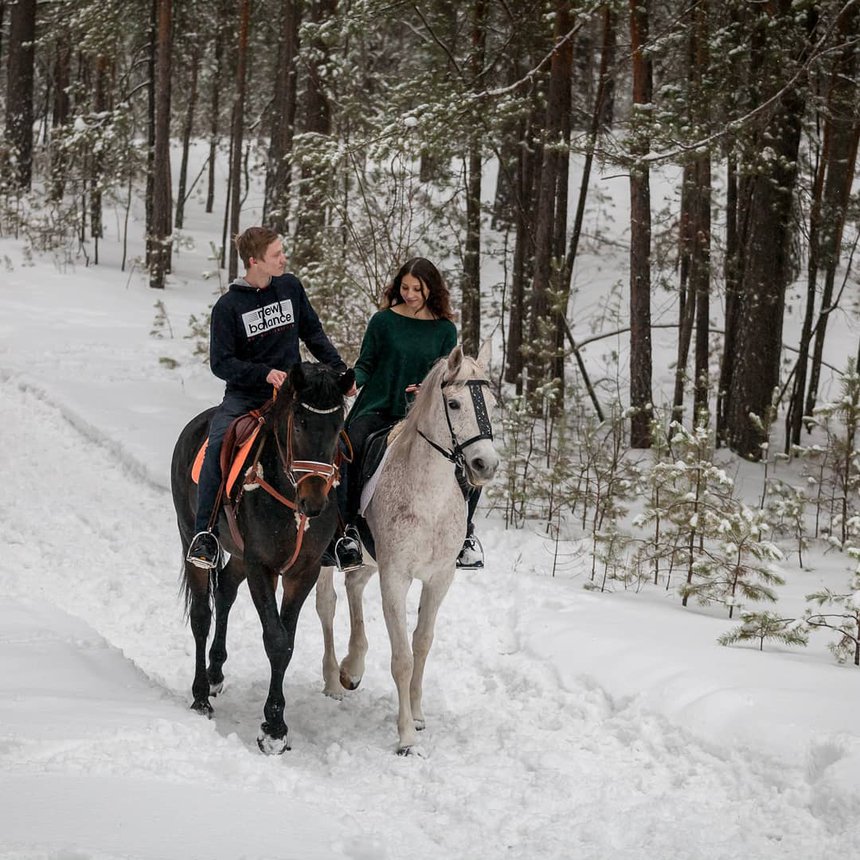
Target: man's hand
(352, 391)
(276, 378)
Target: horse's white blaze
(418, 519)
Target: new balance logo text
(275, 315)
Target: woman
(400, 345)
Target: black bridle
(485, 428)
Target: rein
(485, 429)
(303, 468)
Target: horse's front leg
(352, 667)
(326, 603)
(273, 738)
(432, 595)
(225, 595)
(200, 616)
(394, 589)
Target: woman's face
(413, 292)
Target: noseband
(485, 428)
(305, 469)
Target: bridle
(456, 453)
(296, 472)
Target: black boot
(204, 551)
(347, 550)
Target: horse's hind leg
(200, 616)
(352, 666)
(229, 580)
(326, 602)
(431, 599)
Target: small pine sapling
(843, 618)
(758, 626)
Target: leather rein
(485, 429)
(296, 471)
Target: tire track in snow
(527, 767)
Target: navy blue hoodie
(256, 330)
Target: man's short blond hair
(252, 243)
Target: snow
(561, 722)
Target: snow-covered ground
(561, 723)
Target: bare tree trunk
(60, 118)
(841, 134)
(100, 104)
(215, 104)
(237, 135)
(19, 90)
(686, 296)
(276, 206)
(187, 128)
(159, 232)
(766, 268)
(313, 205)
(470, 329)
(547, 268)
(640, 238)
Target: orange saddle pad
(240, 455)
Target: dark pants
(231, 408)
(349, 490)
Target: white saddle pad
(370, 487)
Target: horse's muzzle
(312, 496)
(482, 467)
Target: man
(254, 336)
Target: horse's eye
(454, 404)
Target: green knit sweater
(397, 351)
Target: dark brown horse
(286, 518)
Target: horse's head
(308, 425)
(468, 405)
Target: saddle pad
(240, 455)
(369, 487)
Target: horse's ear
(346, 381)
(484, 354)
(455, 359)
(297, 377)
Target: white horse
(417, 516)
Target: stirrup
(471, 556)
(347, 551)
(204, 551)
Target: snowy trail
(525, 767)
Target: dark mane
(318, 387)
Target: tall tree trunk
(276, 208)
(640, 235)
(470, 329)
(841, 134)
(700, 260)
(19, 90)
(60, 117)
(766, 263)
(215, 103)
(159, 232)
(315, 180)
(152, 59)
(686, 296)
(187, 128)
(237, 136)
(100, 105)
(547, 267)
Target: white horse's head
(468, 406)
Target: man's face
(274, 261)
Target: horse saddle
(237, 444)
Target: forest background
(373, 130)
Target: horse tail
(187, 590)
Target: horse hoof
(271, 745)
(411, 750)
(349, 682)
(203, 708)
(337, 695)
(420, 725)
(215, 689)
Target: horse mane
(422, 407)
(320, 389)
